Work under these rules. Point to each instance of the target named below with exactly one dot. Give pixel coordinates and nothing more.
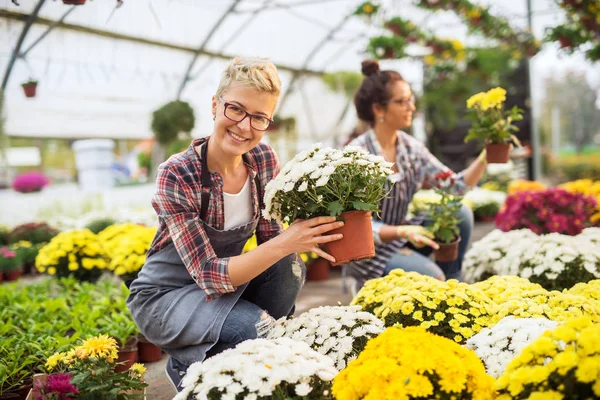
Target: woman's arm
(474, 171)
(463, 181)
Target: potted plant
(126, 245)
(30, 88)
(443, 218)
(368, 8)
(30, 182)
(26, 252)
(148, 352)
(120, 325)
(10, 264)
(74, 2)
(387, 47)
(33, 232)
(89, 371)
(404, 28)
(492, 124)
(347, 183)
(76, 253)
(317, 268)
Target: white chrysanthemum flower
(497, 346)
(258, 368)
(331, 331)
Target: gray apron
(167, 305)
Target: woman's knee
(246, 321)
(411, 261)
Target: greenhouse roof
(103, 68)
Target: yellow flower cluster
(521, 298)
(450, 309)
(586, 187)
(70, 252)
(21, 244)
(556, 363)
(501, 288)
(589, 290)
(127, 245)
(521, 185)
(412, 363)
(97, 347)
(485, 100)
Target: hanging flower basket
(447, 251)
(497, 153)
(30, 88)
(74, 2)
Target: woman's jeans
(269, 296)
(412, 259)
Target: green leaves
(39, 320)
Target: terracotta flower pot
(357, 243)
(486, 218)
(74, 2)
(388, 54)
(318, 270)
(564, 42)
(13, 275)
(447, 251)
(148, 352)
(30, 89)
(497, 153)
(128, 355)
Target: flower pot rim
(451, 243)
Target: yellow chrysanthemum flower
(101, 346)
(402, 363)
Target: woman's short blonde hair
(257, 73)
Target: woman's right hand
(306, 235)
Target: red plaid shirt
(177, 202)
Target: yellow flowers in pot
(78, 253)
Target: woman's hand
(307, 235)
(417, 235)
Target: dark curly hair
(374, 89)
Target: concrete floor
(313, 294)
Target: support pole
(17, 49)
(536, 151)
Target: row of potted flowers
(411, 336)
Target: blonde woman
(197, 294)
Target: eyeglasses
(405, 102)
(238, 114)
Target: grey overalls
(172, 311)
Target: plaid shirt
(177, 202)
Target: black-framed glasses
(238, 114)
(404, 102)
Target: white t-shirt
(238, 207)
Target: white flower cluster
(479, 197)
(549, 255)
(592, 234)
(257, 368)
(497, 346)
(481, 260)
(313, 168)
(339, 332)
(525, 254)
